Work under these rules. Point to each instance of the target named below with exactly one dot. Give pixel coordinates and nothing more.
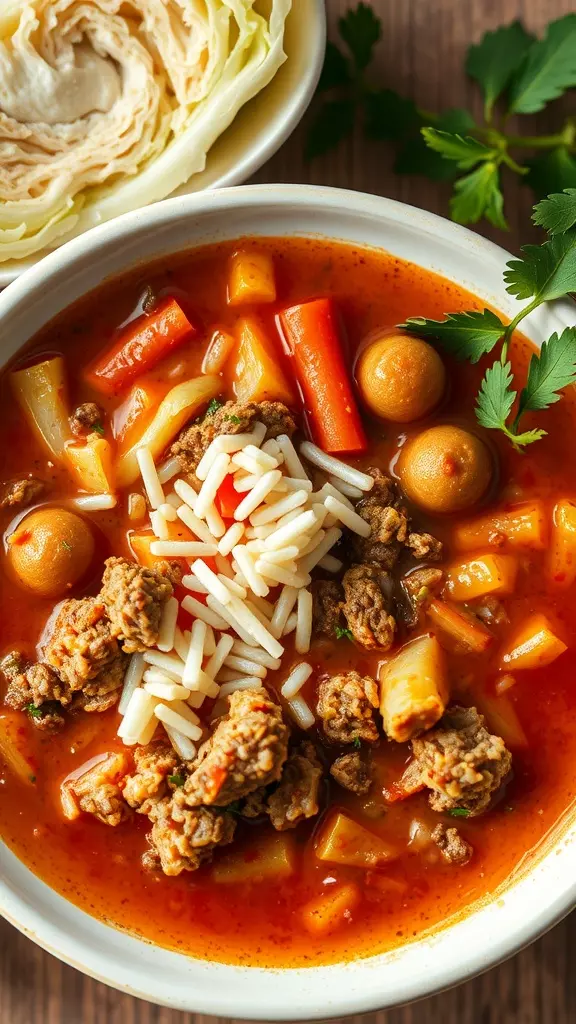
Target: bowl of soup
(281, 695)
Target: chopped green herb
(99, 429)
(66, 545)
(343, 631)
(459, 812)
(213, 405)
(356, 743)
(233, 419)
(177, 780)
(33, 711)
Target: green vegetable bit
(213, 405)
(177, 780)
(343, 631)
(357, 743)
(233, 419)
(459, 812)
(99, 429)
(33, 710)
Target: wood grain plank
(421, 54)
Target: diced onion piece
(301, 712)
(137, 715)
(245, 665)
(170, 468)
(132, 679)
(231, 538)
(152, 484)
(167, 691)
(350, 519)
(291, 458)
(167, 662)
(246, 565)
(159, 525)
(182, 549)
(335, 467)
(255, 654)
(257, 494)
(210, 580)
(136, 506)
(94, 502)
(168, 625)
(304, 622)
(169, 717)
(301, 524)
(279, 508)
(295, 680)
(214, 477)
(332, 537)
(223, 648)
(182, 745)
(221, 345)
(284, 606)
(241, 683)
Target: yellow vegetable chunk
(251, 278)
(344, 841)
(477, 577)
(523, 526)
(41, 392)
(502, 719)
(326, 913)
(535, 645)
(463, 632)
(10, 748)
(273, 858)
(562, 553)
(414, 690)
(258, 375)
(93, 464)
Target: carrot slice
(142, 345)
(313, 336)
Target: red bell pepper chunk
(142, 345)
(313, 335)
(227, 498)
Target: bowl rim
(288, 993)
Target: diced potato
(414, 689)
(477, 577)
(258, 374)
(387, 886)
(273, 858)
(11, 751)
(326, 913)
(562, 553)
(502, 719)
(344, 841)
(523, 526)
(456, 626)
(93, 464)
(251, 278)
(535, 645)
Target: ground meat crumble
(296, 796)
(183, 838)
(134, 597)
(352, 772)
(85, 418)
(454, 848)
(368, 593)
(346, 706)
(21, 493)
(83, 651)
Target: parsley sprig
(545, 272)
(517, 73)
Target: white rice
(203, 612)
(152, 484)
(223, 648)
(94, 502)
(301, 712)
(169, 663)
(294, 484)
(214, 522)
(257, 494)
(168, 511)
(348, 489)
(167, 628)
(295, 680)
(209, 642)
(206, 686)
(214, 477)
(283, 554)
(138, 713)
(253, 460)
(231, 538)
(132, 679)
(191, 582)
(190, 519)
(291, 624)
(246, 566)
(182, 708)
(246, 666)
(255, 654)
(225, 612)
(170, 468)
(291, 458)
(335, 467)
(174, 500)
(255, 629)
(159, 525)
(193, 663)
(196, 699)
(236, 588)
(281, 574)
(186, 492)
(350, 519)
(168, 716)
(157, 675)
(228, 443)
(210, 580)
(167, 691)
(182, 745)
(256, 547)
(182, 548)
(271, 447)
(288, 518)
(303, 523)
(246, 481)
(331, 538)
(279, 508)
(304, 622)
(283, 607)
(241, 683)
(264, 607)
(313, 543)
(330, 563)
(147, 734)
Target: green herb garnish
(99, 429)
(177, 780)
(356, 743)
(545, 272)
(233, 419)
(343, 631)
(213, 405)
(33, 710)
(459, 812)
(517, 74)
(66, 545)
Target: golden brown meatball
(400, 378)
(445, 469)
(50, 550)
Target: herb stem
(511, 327)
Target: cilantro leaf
(496, 397)
(333, 122)
(458, 812)
(357, 743)
(493, 60)
(233, 419)
(389, 115)
(551, 172)
(464, 151)
(360, 29)
(99, 429)
(342, 631)
(213, 405)
(177, 780)
(548, 69)
(415, 157)
(33, 711)
(478, 195)
(546, 271)
(469, 335)
(550, 371)
(557, 213)
(335, 70)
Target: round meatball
(400, 378)
(445, 469)
(51, 550)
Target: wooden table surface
(421, 54)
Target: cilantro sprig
(517, 74)
(544, 272)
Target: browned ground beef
(389, 527)
(153, 765)
(454, 848)
(85, 417)
(134, 597)
(346, 706)
(418, 587)
(246, 751)
(20, 493)
(368, 592)
(461, 762)
(296, 797)
(327, 600)
(99, 790)
(83, 651)
(352, 772)
(231, 418)
(424, 546)
(36, 689)
(183, 838)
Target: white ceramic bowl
(537, 897)
(263, 124)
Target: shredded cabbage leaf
(108, 105)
